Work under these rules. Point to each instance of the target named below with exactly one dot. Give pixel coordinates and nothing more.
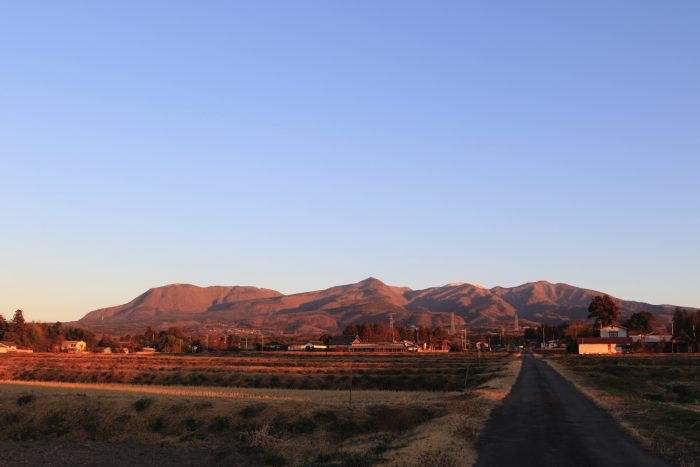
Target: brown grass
(449, 440)
(293, 426)
(638, 392)
(442, 372)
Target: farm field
(440, 372)
(654, 397)
(278, 409)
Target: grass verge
(653, 398)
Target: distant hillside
(332, 309)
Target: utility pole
(544, 341)
(673, 331)
(391, 326)
(350, 391)
(452, 326)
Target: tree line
(603, 311)
(41, 337)
(379, 331)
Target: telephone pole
(391, 326)
(544, 341)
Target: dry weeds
(293, 426)
(652, 423)
(450, 440)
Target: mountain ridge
(329, 310)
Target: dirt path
(143, 389)
(546, 421)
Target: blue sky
(300, 145)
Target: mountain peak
(462, 284)
(371, 281)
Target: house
(411, 346)
(315, 345)
(147, 351)
(613, 331)
(443, 346)
(276, 346)
(7, 346)
(553, 344)
(602, 345)
(653, 338)
(296, 346)
(343, 343)
(73, 346)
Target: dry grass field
(279, 409)
(656, 398)
(440, 372)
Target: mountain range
(330, 310)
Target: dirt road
(546, 421)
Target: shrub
(54, 424)
(386, 418)
(301, 426)
(192, 423)
(325, 416)
(252, 410)
(219, 424)
(142, 404)
(260, 437)
(156, 425)
(26, 399)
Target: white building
(602, 345)
(613, 331)
(7, 346)
(74, 346)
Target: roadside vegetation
(655, 398)
(273, 426)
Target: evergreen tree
(18, 321)
(604, 310)
(641, 322)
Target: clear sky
(300, 145)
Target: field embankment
(275, 425)
(655, 398)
